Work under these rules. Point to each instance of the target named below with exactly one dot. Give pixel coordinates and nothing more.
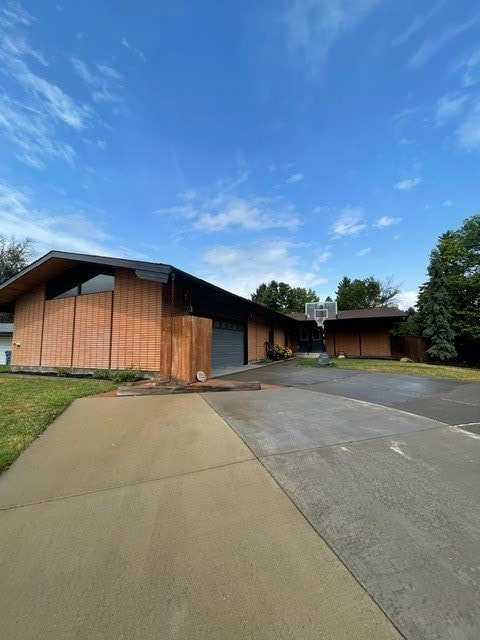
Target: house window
(303, 335)
(316, 334)
(80, 282)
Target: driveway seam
(128, 484)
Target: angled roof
(359, 314)
(55, 263)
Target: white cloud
(262, 262)
(363, 252)
(65, 230)
(472, 69)
(320, 257)
(313, 26)
(349, 223)
(296, 177)
(468, 133)
(385, 221)
(133, 49)
(251, 214)
(406, 299)
(448, 107)
(406, 185)
(447, 203)
(431, 45)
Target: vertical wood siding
(92, 335)
(27, 329)
(137, 327)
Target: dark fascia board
(154, 271)
(251, 305)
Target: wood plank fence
(186, 346)
(409, 347)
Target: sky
(242, 141)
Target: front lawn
(30, 403)
(398, 368)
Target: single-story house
(83, 312)
(356, 333)
(6, 338)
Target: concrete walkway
(148, 518)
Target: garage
(227, 344)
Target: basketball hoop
(320, 321)
(320, 315)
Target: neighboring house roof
(56, 262)
(359, 314)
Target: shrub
(128, 375)
(281, 352)
(101, 374)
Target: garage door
(5, 343)
(227, 344)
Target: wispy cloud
(416, 26)
(35, 121)
(448, 107)
(64, 230)
(472, 69)
(262, 262)
(313, 26)
(363, 252)
(133, 49)
(432, 44)
(468, 133)
(349, 223)
(225, 211)
(385, 221)
(407, 185)
(104, 80)
(296, 177)
(447, 203)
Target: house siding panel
(258, 330)
(27, 329)
(136, 327)
(58, 333)
(376, 342)
(92, 336)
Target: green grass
(30, 403)
(398, 368)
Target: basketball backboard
(325, 309)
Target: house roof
(55, 263)
(359, 314)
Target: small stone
(406, 360)
(201, 377)
(323, 360)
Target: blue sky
(242, 141)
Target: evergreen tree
(436, 310)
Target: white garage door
(227, 344)
(5, 343)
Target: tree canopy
(459, 255)
(367, 293)
(14, 255)
(281, 297)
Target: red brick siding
(27, 329)
(92, 336)
(58, 333)
(137, 314)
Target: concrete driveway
(149, 519)
(394, 494)
(198, 516)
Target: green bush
(102, 374)
(128, 375)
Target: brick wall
(136, 328)
(27, 329)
